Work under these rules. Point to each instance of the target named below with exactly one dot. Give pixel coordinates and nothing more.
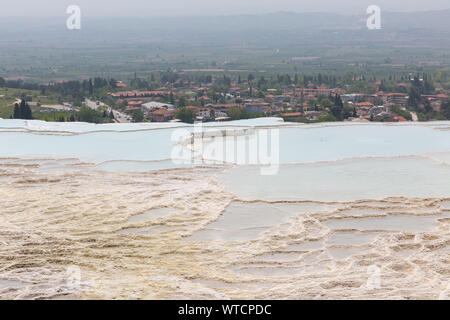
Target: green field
(8, 97)
(265, 45)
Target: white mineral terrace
(353, 211)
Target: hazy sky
(206, 7)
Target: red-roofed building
(163, 115)
(130, 108)
(133, 103)
(395, 98)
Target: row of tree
(71, 89)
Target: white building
(158, 105)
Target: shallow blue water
(154, 142)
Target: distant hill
(195, 27)
(429, 20)
(44, 48)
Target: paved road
(91, 104)
(119, 116)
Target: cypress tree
(25, 110)
(16, 111)
(22, 109)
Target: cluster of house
(289, 102)
(378, 105)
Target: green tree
(17, 114)
(235, 113)
(400, 112)
(338, 107)
(22, 111)
(414, 97)
(123, 104)
(89, 115)
(182, 102)
(445, 110)
(137, 115)
(327, 118)
(185, 115)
